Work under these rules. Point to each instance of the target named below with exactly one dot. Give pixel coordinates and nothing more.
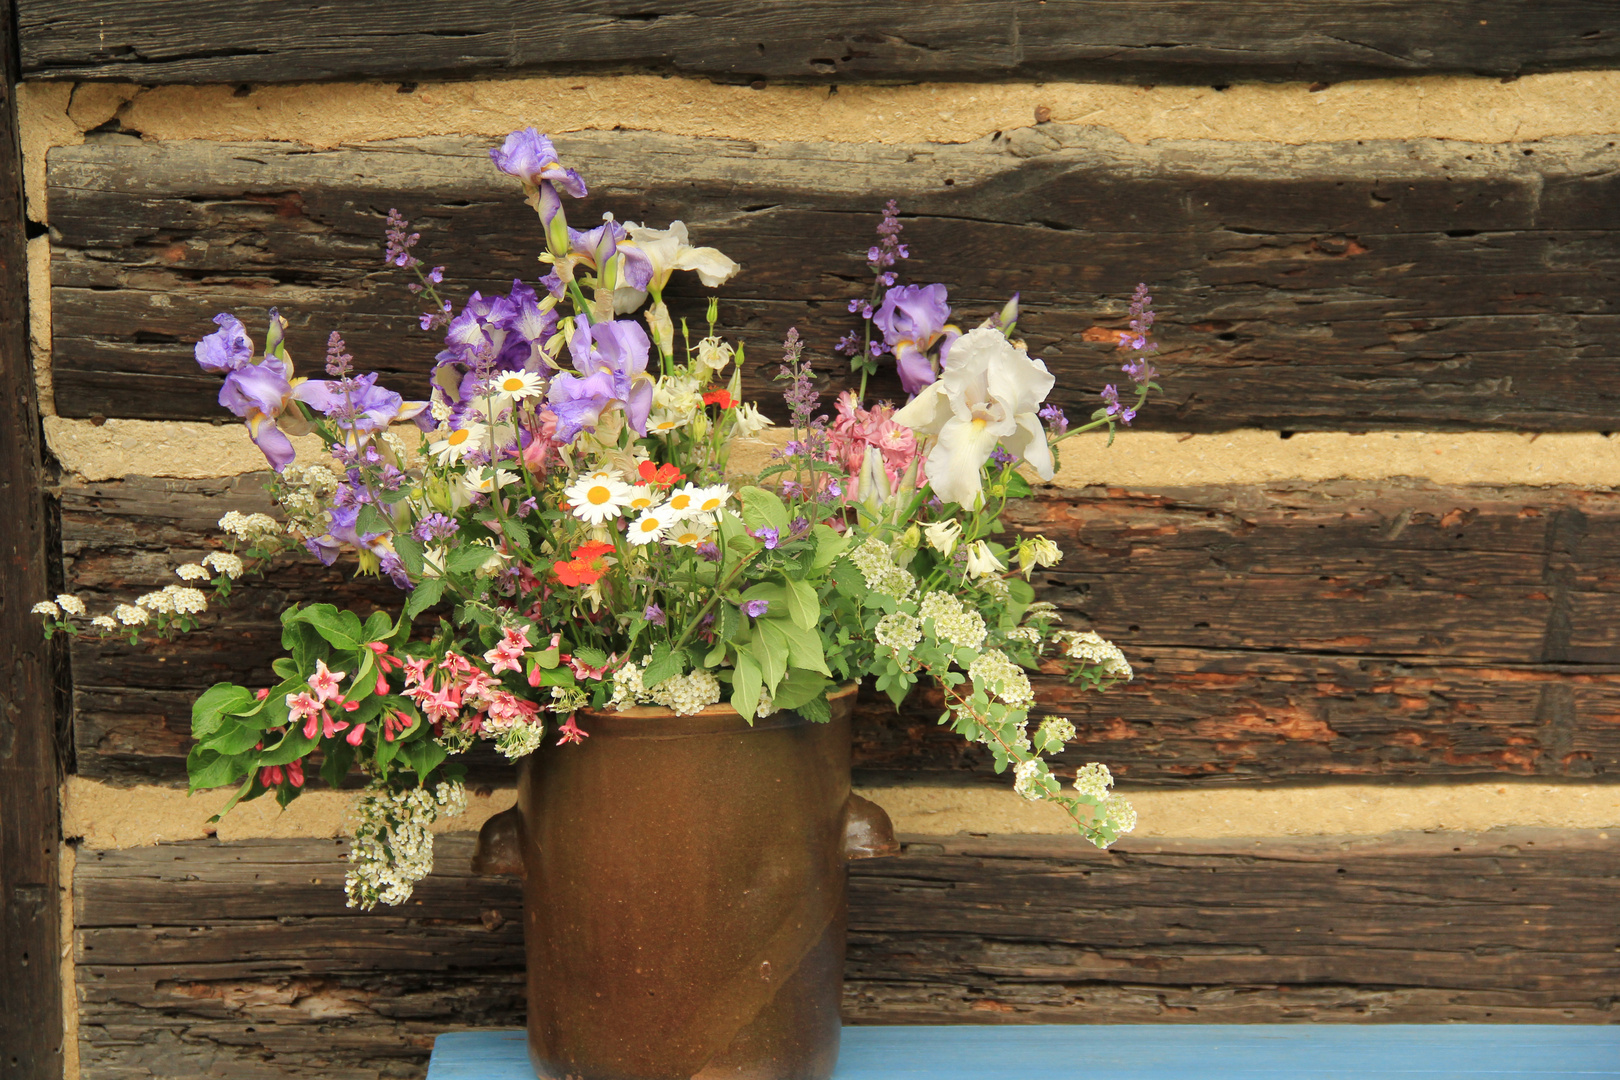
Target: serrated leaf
(663, 665)
(467, 557)
(763, 509)
(517, 535)
(727, 624)
(424, 596)
(816, 710)
(371, 520)
(849, 580)
(589, 656)
(410, 554)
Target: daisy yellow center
(650, 525)
(687, 538)
(681, 502)
(710, 504)
(456, 438)
(598, 495)
(640, 503)
(512, 385)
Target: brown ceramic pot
(684, 896)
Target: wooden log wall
(1390, 628)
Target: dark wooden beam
(1279, 631)
(820, 41)
(30, 911)
(197, 958)
(1425, 284)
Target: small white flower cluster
(627, 689)
(65, 604)
(192, 572)
(249, 528)
(1026, 634)
(952, 621)
(1087, 645)
(393, 848)
(1091, 783)
(173, 600)
(684, 695)
(224, 562)
(1027, 776)
(518, 740)
(130, 615)
(1042, 609)
(1053, 733)
(998, 675)
(900, 632)
(876, 565)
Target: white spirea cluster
(877, 567)
(1026, 777)
(130, 615)
(997, 674)
(224, 562)
(393, 848)
(174, 600)
(1093, 781)
(627, 689)
(1087, 645)
(192, 572)
(1027, 634)
(1042, 609)
(46, 607)
(520, 740)
(71, 604)
(900, 632)
(249, 528)
(952, 620)
(684, 695)
(104, 622)
(1054, 732)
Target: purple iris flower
(366, 407)
(529, 156)
(611, 358)
(323, 548)
(596, 247)
(755, 608)
(258, 393)
(913, 318)
(227, 348)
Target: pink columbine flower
(325, 681)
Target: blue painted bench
(1157, 1052)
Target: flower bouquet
(571, 539)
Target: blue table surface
(1155, 1052)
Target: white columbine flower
(988, 393)
(192, 572)
(597, 498)
(456, 442)
(714, 354)
(749, 420)
(943, 535)
(517, 385)
(651, 525)
(981, 560)
(1037, 551)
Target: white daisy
(662, 421)
(651, 525)
(642, 498)
(517, 385)
(483, 480)
(685, 500)
(688, 534)
(597, 498)
(456, 442)
(711, 500)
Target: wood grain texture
(200, 958)
(816, 41)
(1279, 632)
(1342, 286)
(30, 905)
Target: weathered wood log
(200, 956)
(1278, 631)
(820, 41)
(1421, 284)
(31, 750)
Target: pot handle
(500, 845)
(868, 832)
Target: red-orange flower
(662, 475)
(575, 572)
(593, 551)
(721, 398)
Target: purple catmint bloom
(529, 156)
(395, 570)
(755, 608)
(800, 525)
(400, 240)
(226, 349)
(390, 478)
(801, 395)
(888, 249)
(338, 361)
(528, 506)
(611, 358)
(708, 552)
(654, 614)
(913, 319)
(434, 527)
(849, 344)
(767, 536)
(1001, 457)
(1054, 418)
(1110, 399)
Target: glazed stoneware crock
(684, 893)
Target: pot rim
(719, 718)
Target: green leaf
(233, 737)
(770, 649)
(762, 509)
(468, 557)
(729, 621)
(1017, 486)
(424, 596)
(746, 686)
(517, 535)
(341, 628)
(338, 756)
(804, 646)
(592, 657)
(207, 769)
(209, 710)
(410, 553)
(802, 604)
(423, 756)
(370, 520)
(285, 668)
(799, 688)
(292, 746)
(816, 710)
(849, 580)
(663, 665)
(830, 543)
(378, 626)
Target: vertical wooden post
(30, 962)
